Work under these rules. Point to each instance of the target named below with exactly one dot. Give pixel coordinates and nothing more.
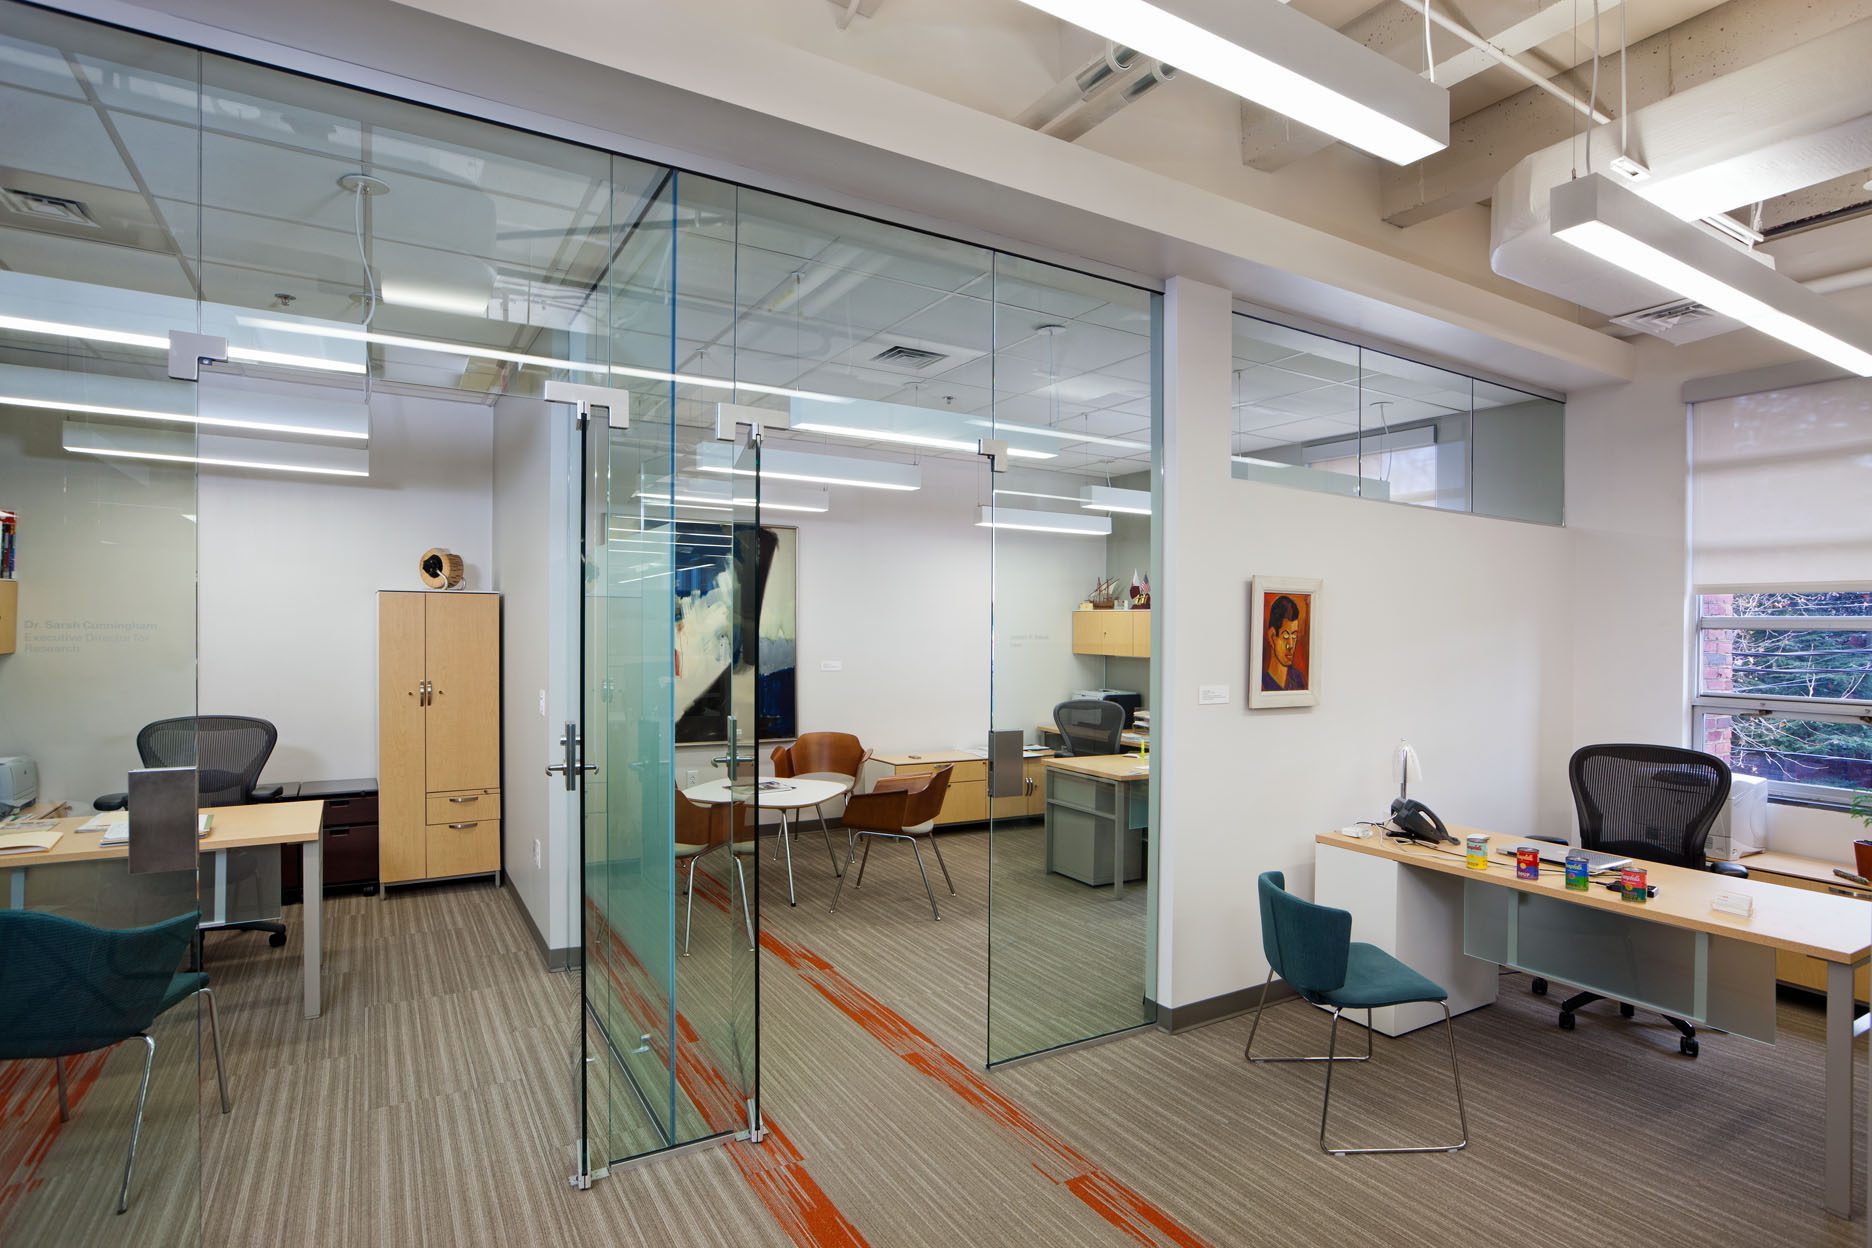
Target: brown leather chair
(823, 756)
(898, 808)
(701, 828)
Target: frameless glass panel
(1520, 455)
(1297, 410)
(1068, 921)
(1413, 443)
(98, 574)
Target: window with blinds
(1781, 558)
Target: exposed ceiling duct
(1782, 124)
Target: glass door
(668, 880)
(1069, 908)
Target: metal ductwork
(1782, 124)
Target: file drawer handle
(475, 824)
(460, 801)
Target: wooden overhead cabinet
(1118, 634)
(438, 735)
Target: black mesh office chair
(228, 752)
(1655, 803)
(1089, 725)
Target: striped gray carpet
(432, 1106)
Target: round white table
(789, 797)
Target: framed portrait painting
(1283, 644)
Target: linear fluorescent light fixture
(159, 342)
(1077, 524)
(164, 446)
(1283, 60)
(786, 465)
(1109, 498)
(808, 500)
(863, 434)
(1605, 220)
(1064, 435)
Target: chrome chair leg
(214, 1036)
(826, 832)
(1462, 1115)
(851, 847)
(689, 906)
(746, 912)
(863, 859)
(786, 839)
(942, 864)
(58, 1071)
(1248, 1049)
(136, 1125)
(926, 884)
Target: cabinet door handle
(1845, 892)
(475, 824)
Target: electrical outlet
(536, 854)
(542, 704)
(1212, 695)
(831, 665)
(689, 777)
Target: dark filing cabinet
(349, 833)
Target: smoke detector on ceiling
(46, 209)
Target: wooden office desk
(1096, 813)
(1672, 954)
(235, 827)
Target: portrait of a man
(1283, 653)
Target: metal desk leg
(1121, 831)
(786, 840)
(1839, 1089)
(312, 950)
(219, 918)
(16, 890)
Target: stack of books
(9, 544)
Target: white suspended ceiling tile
(81, 260)
(60, 138)
(37, 67)
(1341, 401)
(1309, 430)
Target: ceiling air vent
(901, 356)
(1666, 320)
(46, 209)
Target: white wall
(291, 566)
(1438, 628)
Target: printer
(1126, 698)
(19, 783)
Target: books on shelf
(9, 543)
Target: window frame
(1741, 705)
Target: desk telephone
(1416, 821)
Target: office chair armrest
(112, 801)
(267, 792)
(1733, 869)
(897, 784)
(878, 812)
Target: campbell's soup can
(1527, 862)
(1477, 846)
(1632, 883)
(1578, 872)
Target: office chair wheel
(1540, 986)
(277, 940)
(1688, 1047)
(1566, 1020)
(1626, 1009)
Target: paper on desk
(27, 840)
(115, 825)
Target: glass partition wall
(806, 399)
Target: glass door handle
(572, 768)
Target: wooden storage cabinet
(9, 616)
(348, 829)
(438, 735)
(967, 800)
(1118, 634)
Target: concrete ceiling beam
(1488, 143)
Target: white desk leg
(1121, 832)
(1839, 1089)
(16, 890)
(312, 951)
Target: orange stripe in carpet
(1106, 1196)
(29, 1121)
(775, 1170)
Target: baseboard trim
(554, 959)
(1181, 1018)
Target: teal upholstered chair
(68, 988)
(1311, 948)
